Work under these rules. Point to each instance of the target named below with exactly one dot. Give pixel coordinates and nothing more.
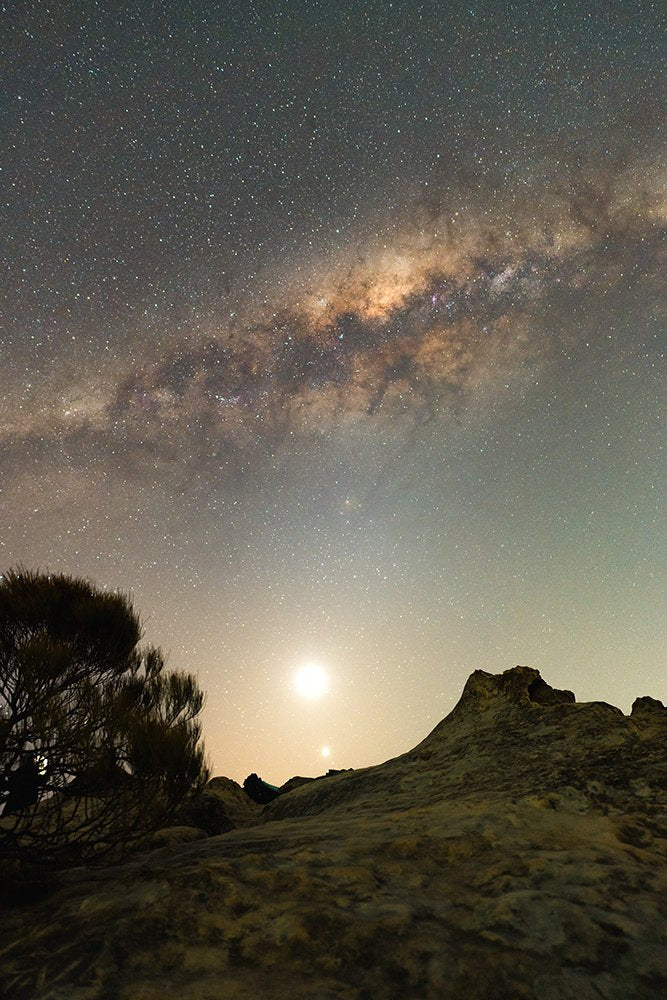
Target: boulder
(648, 706)
(295, 782)
(260, 791)
(222, 806)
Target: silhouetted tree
(99, 744)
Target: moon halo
(311, 681)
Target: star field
(333, 332)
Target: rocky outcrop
(649, 710)
(294, 782)
(222, 806)
(509, 732)
(518, 852)
(260, 791)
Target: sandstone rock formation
(221, 806)
(260, 791)
(519, 851)
(294, 782)
(172, 836)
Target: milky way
(410, 328)
(334, 335)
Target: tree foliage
(99, 743)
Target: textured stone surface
(518, 852)
(171, 836)
(221, 806)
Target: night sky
(331, 331)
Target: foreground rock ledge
(518, 852)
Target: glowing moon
(311, 681)
(326, 751)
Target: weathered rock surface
(220, 807)
(294, 782)
(172, 836)
(520, 851)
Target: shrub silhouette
(99, 744)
